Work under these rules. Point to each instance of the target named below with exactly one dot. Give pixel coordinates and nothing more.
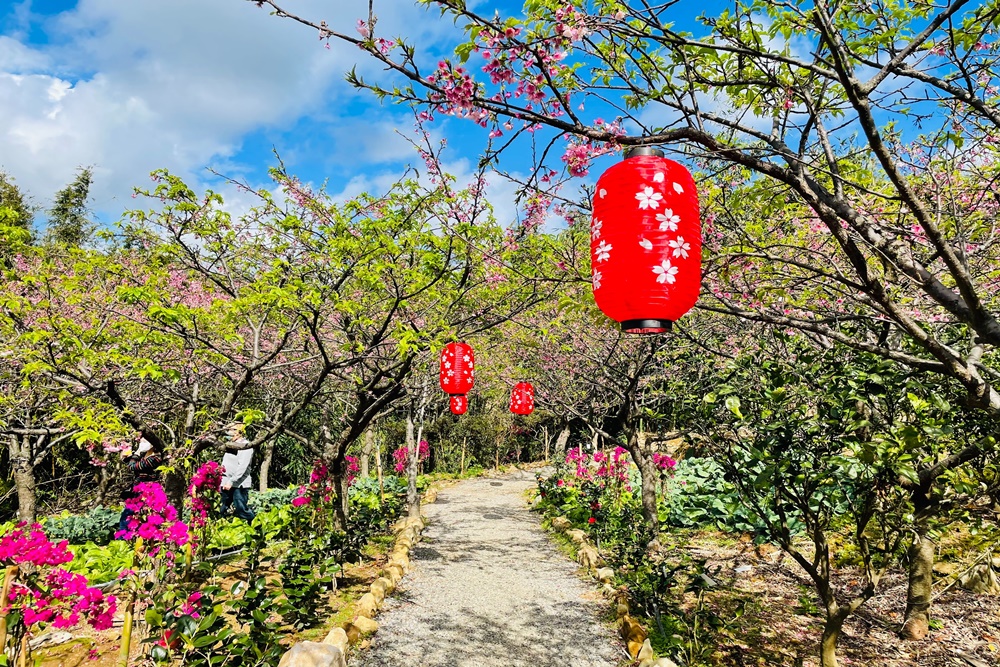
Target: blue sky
(132, 86)
(129, 86)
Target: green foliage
(68, 222)
(96, 526)
(101, 563)
(698, 495)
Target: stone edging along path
(635, 636)
(332, 651)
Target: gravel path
(488, 589)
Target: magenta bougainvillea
(402, 456)
(204, 487)
(45, 593)
(320, 487)
(155, 521)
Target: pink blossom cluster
(613, 466)
(50, 594)
(664, 462)
(154, 520)
(320, 486)
(205, 482)
(402, 456)
(580, 459)
(458, 91)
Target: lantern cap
(647, 326)
(636, 151)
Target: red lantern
(459, 404)
(458, 368)
(645, 242)
(522, 399)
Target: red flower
(591, 520)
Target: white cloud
(129, 87)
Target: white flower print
(645, 243)
(678, 189)
(597, 279)
(648, 198)
(658, 177)
(665, 272)
(465, 358)
(668, 220)
(602, 252)
(680, 247)
(603, 193)
(451, 373)
(447, 364)
(595, 228)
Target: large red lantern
(459, 404)
(522, 399)
(645, 242)
(458, 368)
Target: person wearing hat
(236, 473)
(143, 464)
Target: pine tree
(68, 218)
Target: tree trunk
(102, 486)
(175, 484)
(831, 634)
(561, 440)
(24, 478)
(378, 471)
(265, 466)
(412, 498)
(546, 441)
(366, 453)
(341, 505)
(649, 477)
(918, 594)
(412, 501)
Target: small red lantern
(459, 404)
(458, 368)
(645, 242)
(522, 399)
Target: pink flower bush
(204, 485)
(46, 594)
(664, 462)
(155, 521)
(402, 456)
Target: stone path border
(332, 651)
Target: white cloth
(236, 467)
(145, 446)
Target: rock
(338, 637)
(605, 575)
(365, 625)
(395, 573)
(662, 662)
(608, 590)
(995, 562)
(561, 524)
(944, 568)
(386, 584)
(353, 634)
(378, 592)
(587, 556)
(634, 648)
(366, 606)
(646, 652)
(50, 639)
(740, 569)
(621, 610)
(577, 535)
(313, 654)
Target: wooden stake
(8, 580)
